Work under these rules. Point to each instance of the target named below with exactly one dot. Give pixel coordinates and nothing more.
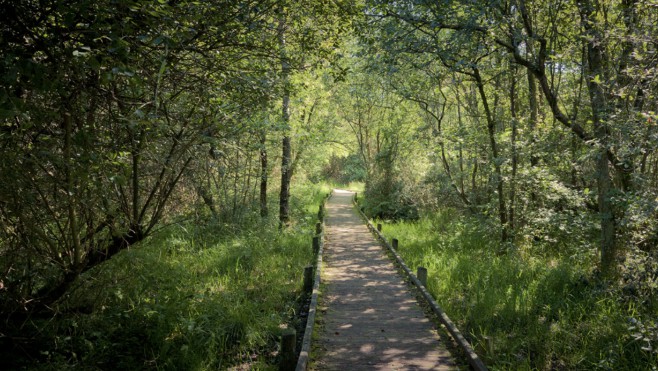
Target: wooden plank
(473, 359)
(373, 321)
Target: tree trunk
(286, 150)
(515, 156)
(263, 175)
(598, 102)
(534, 114)
(502, 208)
(73, 220)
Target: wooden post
(316, 245)
(287, 361)
(488, 341)
(356, 196)
(394, 241)
(321, 212)
(379, 227)
(318, 228)
(421, 273)
(308, 279)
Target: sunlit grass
(356, 186)
(193, 297)
(540, 312)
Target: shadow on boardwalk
(372, 321)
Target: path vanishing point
(370, 321)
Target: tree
(309, 33)
(475, 39)
(104, 111)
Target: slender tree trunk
(534, 114)
(474, 177)
(462, 188)
(263, 175)
(491, 127)
(445, 161)
(515, 156)
(599, 105)
(246, 190)
(236, 179)
(286, 147)
(135, 178)
(461, 153)
(73, 220)
(574, 114)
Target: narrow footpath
(372, 321)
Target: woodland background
(160, 162)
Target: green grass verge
(541, 311)
(196, 296)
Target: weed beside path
(523, 310)
(197, 296)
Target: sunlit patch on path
(372, 321)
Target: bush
(344, 170)
(195, 296)
(387, 199)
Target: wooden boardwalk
(372, 321)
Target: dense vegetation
(538, 308)
(201, 294)
(143, 145)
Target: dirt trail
(372, 321)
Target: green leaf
(597, 79)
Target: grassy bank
(540, 310)
(198, 295)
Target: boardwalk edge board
(304, 354)
(472, 357)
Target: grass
(196, 296)
(352, 186)
(355, 186)
(541, 311)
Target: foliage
(516, 94)
(116, 116)
(387, 198)
(194, 296)
(534, 120)
(542, 307)
(103, 114)
(343, 170)
(119, 117)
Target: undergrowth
(540, 310)
(196, 296)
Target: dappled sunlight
(372, 320)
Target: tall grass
(541, 311)
(193, 297)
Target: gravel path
(371, 321)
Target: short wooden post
(394, 241)
(356, 196)
(308, 279)
(379, 227)
(488, 341)
(318, 228)
(421, 273)
(321, 212)
(316, 245)
(287, 361)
